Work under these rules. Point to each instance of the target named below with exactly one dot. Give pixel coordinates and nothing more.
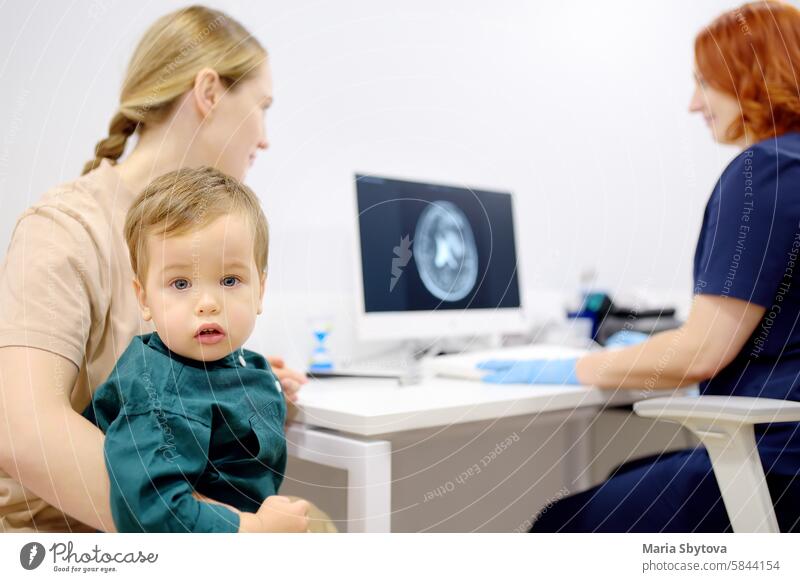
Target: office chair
(724, 424)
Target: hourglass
(320, 355)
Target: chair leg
(737, 467)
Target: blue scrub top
(749, 248)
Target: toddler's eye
(230, 281)
(180, 284)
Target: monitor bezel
(430, 325)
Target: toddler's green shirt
(174, 425)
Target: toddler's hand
(279, 514)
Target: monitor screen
(429, 247)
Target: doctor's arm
(717, 329)
(715, 332)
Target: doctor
(742, 335)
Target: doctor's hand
(530, 371)
(625, 338)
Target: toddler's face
(200, 278)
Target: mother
(195, 94)
(742, 336)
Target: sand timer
(321, 359)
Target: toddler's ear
(261, 294)
(142, 298)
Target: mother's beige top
(65, 287)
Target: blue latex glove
(625, 338)
(530, 371)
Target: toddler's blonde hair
(187, 200)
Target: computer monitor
(436, 261)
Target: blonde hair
(164, 65)
(187, 200)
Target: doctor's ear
(138, 289)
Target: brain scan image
(445, 252)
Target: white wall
(578, 107)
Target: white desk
(340, 422)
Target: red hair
(753, 54)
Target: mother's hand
(290, 389)
(283, 373)
(290, 380)
(206, 499)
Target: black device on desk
(612, 318)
